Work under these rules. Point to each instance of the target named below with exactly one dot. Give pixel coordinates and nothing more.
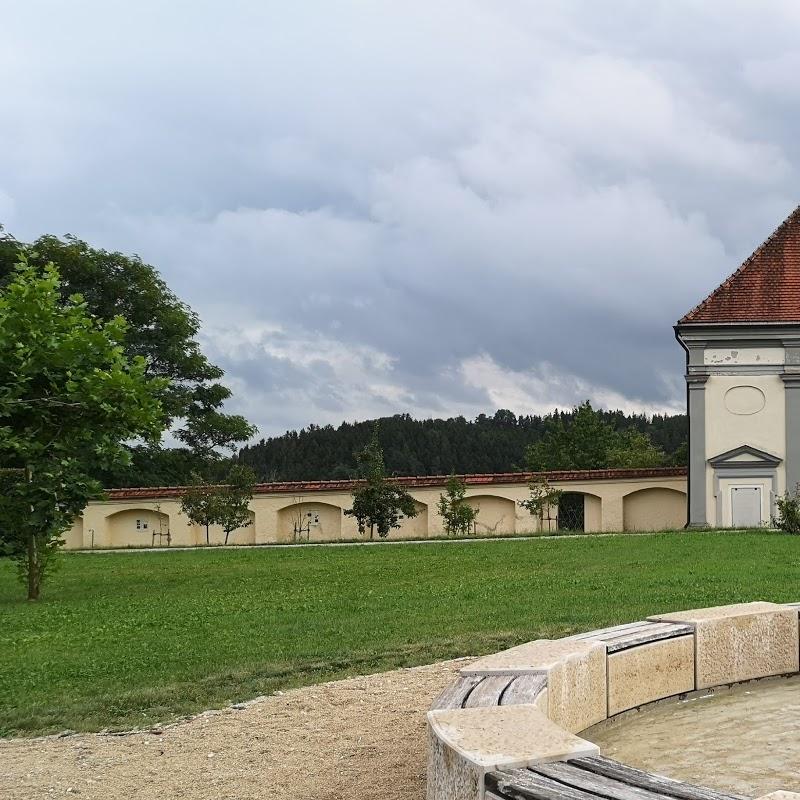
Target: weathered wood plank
(454, 695)
(523, 689)
(488, 691)
(623, 637)
(592, 782)
(677, 628)
(647, 780)
(647, 638)
(521, 784)
(613, 629)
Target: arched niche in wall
(496, 515)
(658, 508)
(312, 521)
(136, 527)
(413, 527)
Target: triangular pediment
(745, 455)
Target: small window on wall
(141, 525)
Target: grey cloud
(382, 207)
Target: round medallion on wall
(745, 400)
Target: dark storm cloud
(434, 208)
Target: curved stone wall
(523, 707)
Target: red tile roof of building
(418, 482)
(766, 288)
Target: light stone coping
(650, 672)
(542, 701)
(469, 742)
(741, 642)
(576, 677)
(717, 612)
(533, 657)
(780, 795)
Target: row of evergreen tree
(497, 443)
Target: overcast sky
(429, 207)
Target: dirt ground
(361, 737)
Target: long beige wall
(317, 516)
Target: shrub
(788, 517)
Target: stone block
(466, 743)
(450, 776)
(780, 795)
(538, 656)
(542, 702)
(650, 672)
(741, 642)
(576, 677)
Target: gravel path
(361, 737)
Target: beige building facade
(742, 348)
(286, 513)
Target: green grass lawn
(127, 639)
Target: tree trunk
(227, 533)
(208, 541)
(34, 566)
(34, 569)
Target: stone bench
(506, 728)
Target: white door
(746, 506)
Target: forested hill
(436, 446)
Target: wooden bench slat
(523, 689)
(646, 638)
(647, 780)
(613, 629)
(521, 784)
(488, 691)
(623, 637)
(677, 628)
(593, 782)
(454, 695)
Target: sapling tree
(457, 515)
(226, 505)
(233, 500)
(542, 498)
(200, 503)
(70, 402)
(378, 505)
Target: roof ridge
(748, 262)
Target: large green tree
(70, 399)
(161, 330)
(587, 440)
(378, 505)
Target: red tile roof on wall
(766, 288)
(418, 482)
